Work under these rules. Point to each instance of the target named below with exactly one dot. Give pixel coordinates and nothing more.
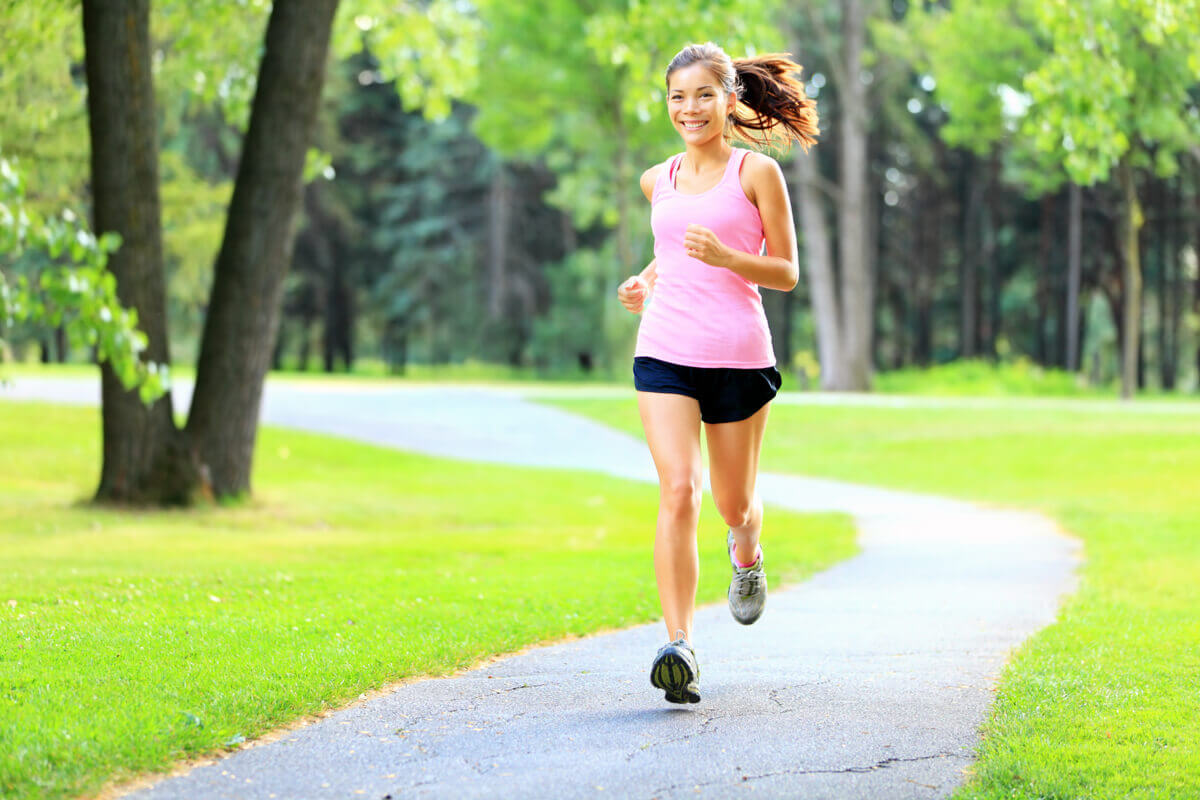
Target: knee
(738, 512)
(679, 495)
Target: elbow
(793, 277)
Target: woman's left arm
(780, 267)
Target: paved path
(869, 680)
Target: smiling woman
(723, 227)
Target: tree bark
(818, 261)
(1168, 285)
(243, 312)
(856, 300)
(1131, 223)
(1074, 274)
(124, 166)
(1041, 347)
(499, 201)
(968, 330)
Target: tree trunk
(243, 313)
(1074, 275)
(990, 321)
(1168, 285)
(818, 260)
(499, 202)
(785, 332)
(124, 162)
(968, 330)
(1041, 347)
(852, 207)
(61, 346)
(1131, 223)
(924, 212)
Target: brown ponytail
(772, 108)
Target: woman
(704, 352)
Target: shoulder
(650, 177)
(761, 175)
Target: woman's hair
(772, 107)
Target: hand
(701, 243)
(632, 294)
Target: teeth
(694, 125)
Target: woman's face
(697, 104)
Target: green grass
(129, 640)
(1021, 377)
(1106, 702)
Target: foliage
(80, 294)
(1074, 85)
(581, 85)
(428, 50)
(985, 378)
(129, 641)
(568, 336)
(43, 118)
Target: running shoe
(748, 588)
(676, 672)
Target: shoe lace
(748, 582)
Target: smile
(694, 126)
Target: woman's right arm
(632, 293)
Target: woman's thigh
(672, 426)
(733, 450)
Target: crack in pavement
(884, 764)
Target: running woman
(704, 352)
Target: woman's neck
(711, 155)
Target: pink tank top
(699, 315)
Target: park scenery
(317, 418)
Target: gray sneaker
(748, 589)
(676, 672)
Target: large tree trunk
(818, 259)
(124, 163)
(1074, 274)
(853, 225)
(1131, 223)
(243, 313)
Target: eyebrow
(702, 87)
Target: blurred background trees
(994, 180)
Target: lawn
(129, 640)
(1106, 702)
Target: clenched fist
(633, 292)
(701, 243)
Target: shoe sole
(673, 675)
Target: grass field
(129, 640)
(1105, 703)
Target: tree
(146, 456)
(1084, 90)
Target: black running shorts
(725, 394)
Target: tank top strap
(672, 168)
(666, 177)
(734, 166)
